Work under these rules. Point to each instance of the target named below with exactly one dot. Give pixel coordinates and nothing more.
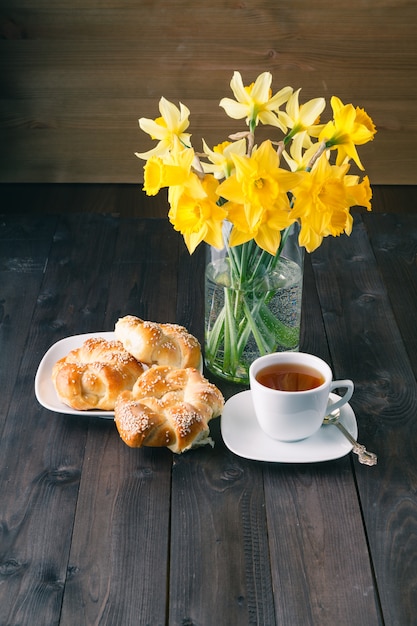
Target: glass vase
(252, 304)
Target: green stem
(254, 327)
(215, 334)
(235, 264)
(230, 336)
(245, 310)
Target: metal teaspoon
(364, 457)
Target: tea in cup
(290, 393)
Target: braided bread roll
(168, 407)
(92, 376)
(158, 344)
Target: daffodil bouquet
(238, 198)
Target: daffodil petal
(172, 116)
(268, 239)
(261, 87)
(239, 91)
(156, 131)
(279, 98)
(159, 150)
(239, 237)
(293, 108)
(311, 110)
(269, 118)
(234, 109)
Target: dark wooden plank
(218, 524)
(219, 552)
(124, 497)
(303, 587)
(312, 332)
(182, 50)
(24, 246)
(190, 303)
(95, 163)
(366, 345)
(116, 199)
(129, 200)
(144, 275)
(315, 508)
(73, 300)
(16, 224)
(320, 562)
(40, 467)
(41, 454)
(118, 565)
(18, 293)
(394, 241)
(394, 199)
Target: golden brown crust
(168, 407)
(158, 344)
(92, 376)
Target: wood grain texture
(367, 346)
(128, 200)
(316, 508)
(394, 241)
(93, 532)
(117, 499)
(35, 547)
(76, 77)
(24, 248)
(112, 573)
(219, 535)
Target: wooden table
(93, 532)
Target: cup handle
(348, 385)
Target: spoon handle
(364, 457)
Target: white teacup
(291, 415)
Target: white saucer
(44, 388)
(243, 436)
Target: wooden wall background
(77, 74)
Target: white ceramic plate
(243, 436)
(44, 388)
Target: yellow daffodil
(299, 159)
(171, 171)
(258, 180)
(358, 194)
(255, 102)
(237, 198)
(158, 174)
(302, 117)
(188, 181)
(258, 192)
(222, 163)
(172, 124)
(197, 216)
(323, 201)
(350, 127)
(266, 231)
(190, 187)
(253, 191)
